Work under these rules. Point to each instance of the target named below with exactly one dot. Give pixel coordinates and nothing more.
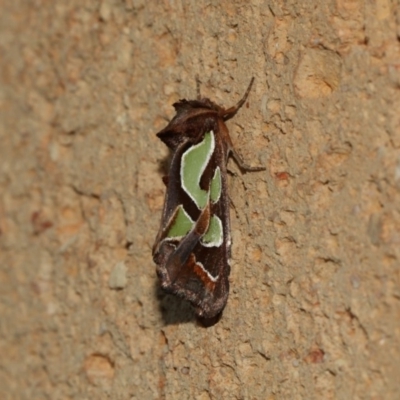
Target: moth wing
(196, 265)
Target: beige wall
(314, 310)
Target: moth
(192, 249)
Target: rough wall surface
(314, 308)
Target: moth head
(171, 137)
(192, 118)
(184, 105)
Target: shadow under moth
(193, 246)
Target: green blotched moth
(193, 246)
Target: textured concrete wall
(314, 308)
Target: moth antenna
(231, 111)
(198, 87)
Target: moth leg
(243, 166)
(165, 180)
(231, 203)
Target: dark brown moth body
(193, 246)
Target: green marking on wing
(214, 235)
(193, 164)
(215, 189)
(182, 224)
